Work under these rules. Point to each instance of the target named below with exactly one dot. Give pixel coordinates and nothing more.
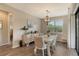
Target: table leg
(48, 49)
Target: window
(55, 25)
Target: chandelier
(47, 17)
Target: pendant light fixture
(47, 17)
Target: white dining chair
(39, 44)
(54, 42)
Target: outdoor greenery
(56, 28)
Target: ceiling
(39, 9)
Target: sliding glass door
(77, 31)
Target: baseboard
(15, 46)
(4, 44)
(8, 43)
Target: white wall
(4, 29)
(19, 20)
(73, 31)
(69, 37)
(71, 26)
(65, 20)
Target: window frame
(55, 20)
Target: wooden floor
(61, 50)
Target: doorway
(11, 36)
(10, 24)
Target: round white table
(48, 41)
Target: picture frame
(0, 24)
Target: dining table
(48, 40)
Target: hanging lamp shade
(47, 17)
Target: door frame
(76, 22)
(10, 17)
